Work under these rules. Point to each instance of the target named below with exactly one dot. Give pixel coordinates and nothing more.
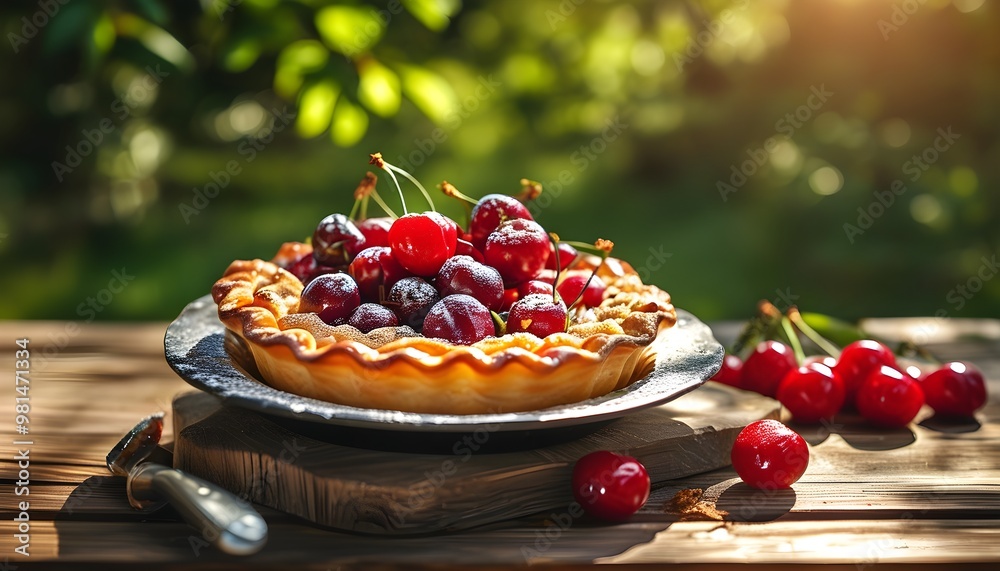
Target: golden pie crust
(606, 348)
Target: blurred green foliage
(168, 138)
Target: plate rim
(180, 340)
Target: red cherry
(422, 242)
(822, 360)
(459, 318)
(731, 371)
(489, 212)
(510, 295)
(518, 250)
(610, 486)
(534, 286)
(537, 314)
(812, 393)
(369, 316)
(955, 389)
(889, 398)
(570, 288)
(375, 230)
(462, 274)
(567, 254)
(332, 296)
(766, 366)
(768, 455)
(859, 359)
(336, 240)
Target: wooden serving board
(326, 480)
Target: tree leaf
(350, 122)
(435, 14)
(430, 92)
(316, 108)
(378, 89)
(294, 62)
(350, 30)
(240, 55)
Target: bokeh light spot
(825, 181)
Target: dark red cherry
(462, 274)
(489, 212)
(366, 269)
(458, 318)
(537, 314)
(369, 316)
(376, 271)
(518, 250)
(411, 299)
(610, 486)
(305, 268)
(375, 230)
(422, 242)
(567, 254)
(858, 360)
(766, 367)
(336, 240)
(332, 296)
(574, 283)
(465, 248)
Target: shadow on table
(857, 433)
(951, 424)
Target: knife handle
(226, 521)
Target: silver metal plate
(196, 348)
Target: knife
(228, 522)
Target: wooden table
(929, 494)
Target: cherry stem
(449, 190)
(377, 160)
(554, 238)
(793, 340)
(530, 190)
(795, 317)
(423, 190)
(601, 248)
(354, 209)
(380, 202)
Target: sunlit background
(725, 147)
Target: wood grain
(373, 491)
